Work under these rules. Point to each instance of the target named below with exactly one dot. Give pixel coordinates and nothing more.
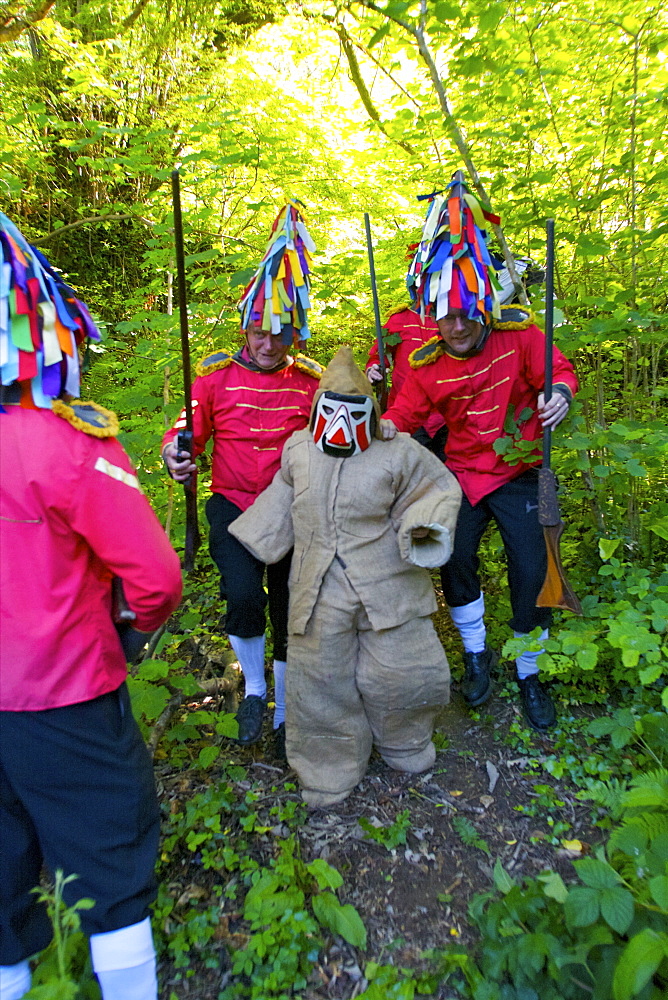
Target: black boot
(249, 719)
(279, 743)
(477, 684)
(537, 704)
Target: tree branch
(456, 133)
(14, 25)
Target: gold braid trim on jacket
(427, 353)
(91, 418)
(213, 363)
(513, 318)
(309, 366)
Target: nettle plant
(288, 905)
(605, 935)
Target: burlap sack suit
(364, 663)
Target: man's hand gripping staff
(556, 591)
(178, 457)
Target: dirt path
(477, 805)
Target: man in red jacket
(250, 403)
(76, 783)
(485, 368)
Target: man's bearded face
(343, 425)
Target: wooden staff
(556, 591)
(184, 441)
(382, 389)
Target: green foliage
(63, 970)
(390, 836)
(604, 936)
(468, 834)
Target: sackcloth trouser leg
(328, 737)
(404, 679)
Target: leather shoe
(279, 743)
(477, 684)
(249, 719)
(537, 703)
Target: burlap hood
(342, 375)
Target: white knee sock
(124, 963)
(14, 980)
(526, 663)
(250, 654)
(468, 618)
(279, 692)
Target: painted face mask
(343, 425)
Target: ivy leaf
(617, 908)
(555, 887)
(607, 547)
(343, 920)
(659, 889)
(326, 876)
(147, 699)
(207, 755)
(597, 874)
(502, 880)
(379, 34)
(638, 963)
(582, 907)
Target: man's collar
(243, 358)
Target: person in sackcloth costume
(486, 365)
(250, 402)
(368, 518)
(77, 790)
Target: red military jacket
(72, 515)
(414, 331)
(250, 415)
(474, 395)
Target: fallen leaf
(487, 800)
(493, 775)
(455, 793)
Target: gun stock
(556, 591)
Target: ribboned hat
(277, 297)
(42, 324)
(451, 267)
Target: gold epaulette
(213, 363)
(309, 366)
(513, 318)
(87, 417)
(427, 353)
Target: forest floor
(479, 804)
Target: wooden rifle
(184, 441)
(556, 591)
(382, 385)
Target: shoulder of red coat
(91, 418)
(213, 363)
(427, 353)
(514, 318)
(308, 366)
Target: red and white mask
(343, 425)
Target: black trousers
(514, 508)
(76, 792)
(241, 580)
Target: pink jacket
(72, 515)
(250, 415)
